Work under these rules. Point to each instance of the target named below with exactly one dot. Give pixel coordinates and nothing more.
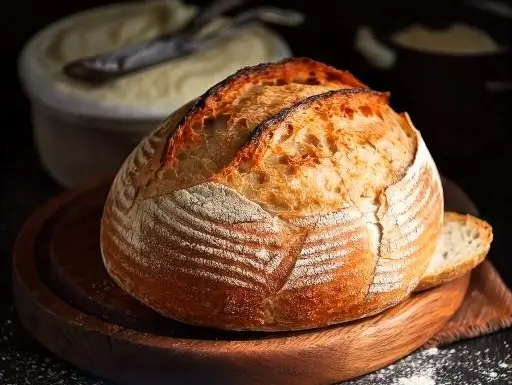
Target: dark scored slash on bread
(218, 98)
(270, 157)
(219, 116)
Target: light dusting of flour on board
(446, 366)
(416, 380)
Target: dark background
(470, 139)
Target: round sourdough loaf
(289, 196)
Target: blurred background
(447, 63)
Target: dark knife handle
(104, 67)
(100, 69)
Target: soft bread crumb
(464, 243)
(457, 243)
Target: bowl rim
(439, 54)
(38, 84)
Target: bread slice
(463, 245)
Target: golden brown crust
(219, 97)
(319, 138)
(205, 280)
(226, 115)
(197, 245)
(472, 258)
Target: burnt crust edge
(260, 69)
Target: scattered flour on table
(416, 380)
(456, 365)
(23, 364)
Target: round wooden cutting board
(68, 302)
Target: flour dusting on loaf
(414, 205)
(219, 203)
(332, 243)
(289, 196)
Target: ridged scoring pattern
(239, 243)
(192, 246)
(125, 187)
(414, 205)
(333, 239)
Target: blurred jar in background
(450, 69)
(82, 130)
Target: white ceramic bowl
(78, 138)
